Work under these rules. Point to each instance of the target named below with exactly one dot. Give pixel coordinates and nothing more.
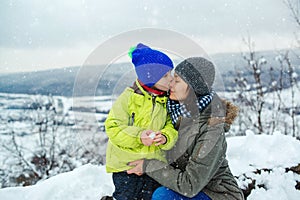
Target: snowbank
(86, 182)
(245, 154)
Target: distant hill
(54, 81)
(61, 81)
(114, 78)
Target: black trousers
(133, 187)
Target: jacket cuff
(139, 137)
(146, 162)
(166, 139)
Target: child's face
(164, 83)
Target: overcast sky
(40, 34)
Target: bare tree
(242, 89)
(292, 81)
(255, 64)
(294, 6)
(38, 163)
(54, 147)
(276, 87)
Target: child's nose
(171, 83)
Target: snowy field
(58, 131)
(261, 160)
(245, 154)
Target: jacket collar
(138, 89)
(152, 90)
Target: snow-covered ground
(271, 154)
(245, 155)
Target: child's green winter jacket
(134, 111)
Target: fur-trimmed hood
(231, 112)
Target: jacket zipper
(153, 103)
(131, 120)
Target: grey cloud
(33, 23)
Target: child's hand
(159, 139)
(145, 139)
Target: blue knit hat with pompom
(150, 65)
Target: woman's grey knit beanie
(199, 73)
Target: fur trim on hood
(231, 114)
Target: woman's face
(164, 83)
(178, 89)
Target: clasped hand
(147, 139)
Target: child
(138, 125)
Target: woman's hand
(137, 169)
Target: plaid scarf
(177, 109)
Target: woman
(198, 167)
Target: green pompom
(130, 51)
